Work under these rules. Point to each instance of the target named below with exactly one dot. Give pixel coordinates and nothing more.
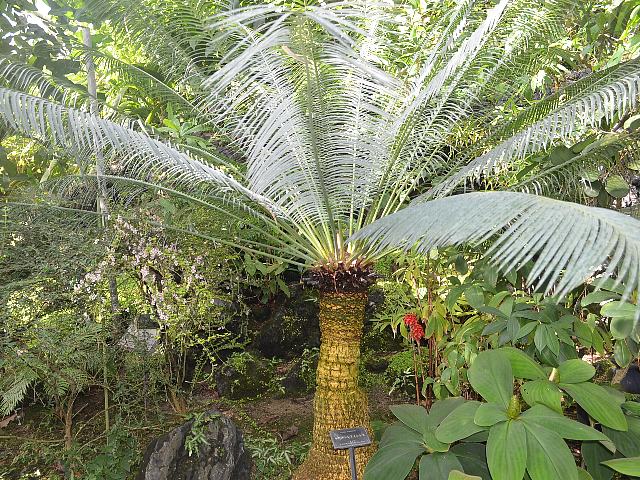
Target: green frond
(82, 135)
(571, 176)
(567, 242)
(564, 116)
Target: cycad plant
(336, 137)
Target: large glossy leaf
(598, 296)
(617, 186)
(584, 475)
(400, 433)
(473, 457)
(544, 417)
(507, 450)
(548, 456)
(626, 466)
(627, 443)
(632, 407)
(440, 409)
(490, 375)
(459, 424)
(413, 416)
(488, 414)
(567, 240)
(543, 392)
(598, 403)
(593, 453)
(437, 466)
(399, 448)
(522, 365)
(575, 371)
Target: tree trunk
(68, 424)
(338, 403)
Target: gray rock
(220, 456)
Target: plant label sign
(349, 438)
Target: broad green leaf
(461, 265)
(442, 408)
(473, 457)
(621, 353)
(597, 297)
(475, 296)
(522, 365)
(490, 375)
(593, 453)
(542, 392)
(626, 466)
(621, 327)
(507, 450)
(488, 414)
(413, 416)
(438, 465)
(459, 423)
(632, 407)
(627, 443)
(458, 475)
(400, 433)
(617, 186)
(548, 456)
(619, 309)
(632, 123)
(584, 333)
(598, 403)
(561, 425)
(392, 461)
(575, 371)
(432, 443)
(525, 330)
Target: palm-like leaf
(333, 142)
(568, 242)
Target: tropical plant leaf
(542, 392)
(544, 417)
(490, 375)
(437, 466)
(575, 371)
(459, 424)
(488, 414)
(548, 455)
(569, 241)
(626, 466)
(473, 457)
(522, 365)
(598, 403)
(507, 450)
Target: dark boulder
(219, 455)
(629, 379)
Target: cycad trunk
(338, 403)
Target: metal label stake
(350, 439)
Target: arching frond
(306, 106)
(20, 76)
(82, 135)
(560, 180)
(567, 242)
(567, 114)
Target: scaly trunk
(338, 403)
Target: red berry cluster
(415, 328)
